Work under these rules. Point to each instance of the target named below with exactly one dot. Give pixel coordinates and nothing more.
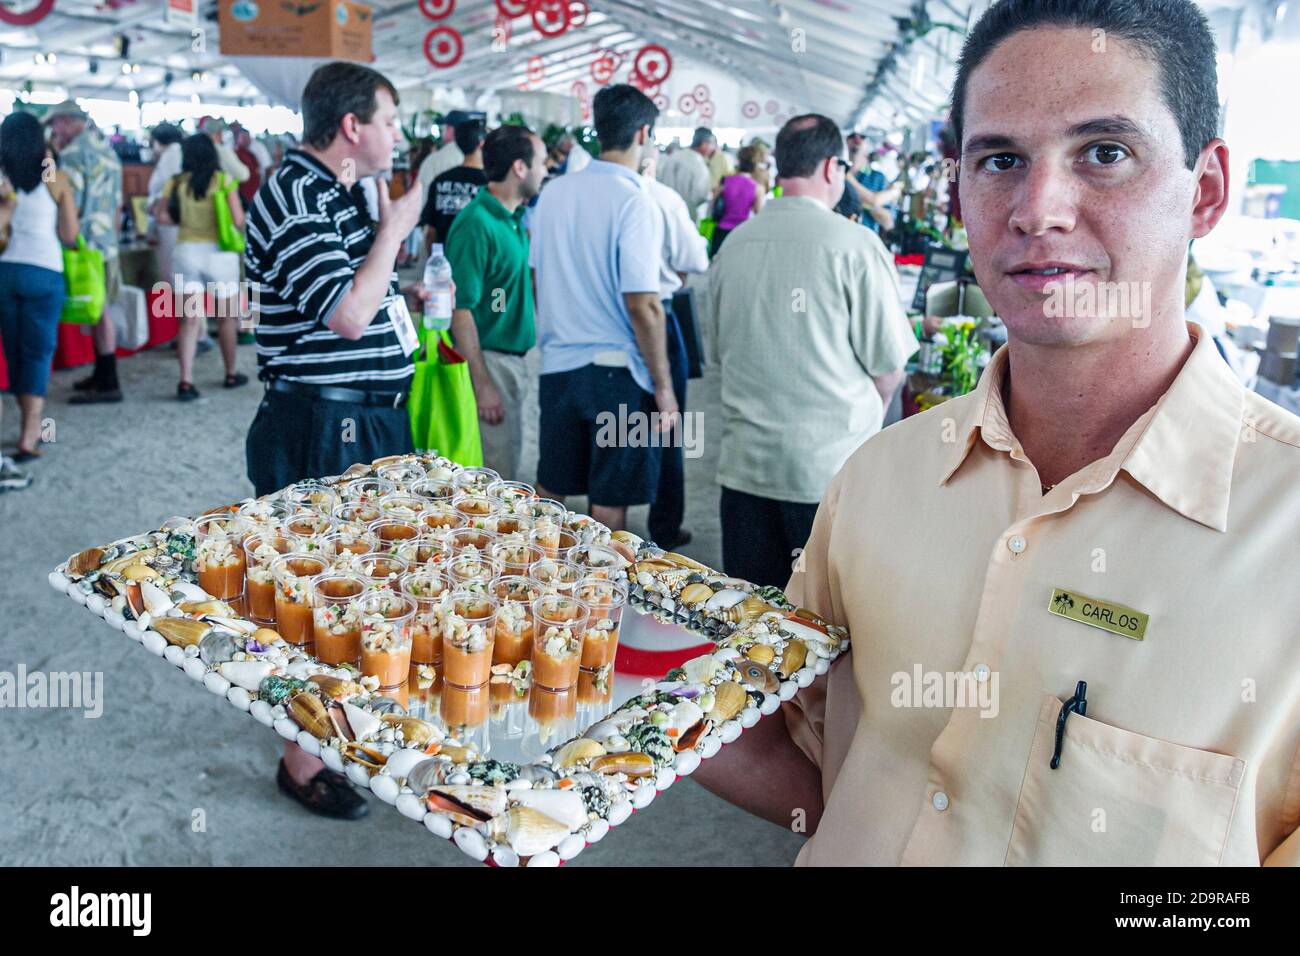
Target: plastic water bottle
(437, 280)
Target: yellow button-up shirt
(937, 548)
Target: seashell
(426, 775)
(623, 549)
(820, 642)
(217, 648)
(385, 705)
(634, 764)
(156, 601)
(575, 751)
(365, 755)
(682, 561)
(793, 657)
(756, 675)
(246, 674)
(762, 653)
(654, 567)
(334, 688)
(683, 715)
(82, 563)
(308, 712)
(691, 736)
(694, 594)
(137, 570)
(266, 636)
(402, 762)
(467, 805)
(134, 599)
(181, 631)
(700, 670)
(537, 775)
(527, 831)
(747, 610)
(277, 688)
(725, 599)
(209, 606)
(236, 624)
(729, 699)
(363, 722)
(414, 730)
(455, 752)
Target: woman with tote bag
(209, 273)
(38, 219)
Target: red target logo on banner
(514, 8)
(660, 101)
(772, 107)
(26, 13)
(602, 68)
(750, 109)
(536, 69)
(653, 64)
(578, 13)
(706, 109)
(550, 17)
(443, 47)
(437, 9)
(686, 103)
(700, 93)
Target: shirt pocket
(1119, 798)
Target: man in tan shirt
(1110, 506)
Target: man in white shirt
(214, 129)
(605, 392)
(686, 171)
(448, 156)
(685, 251)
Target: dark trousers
(294, 437)
(761, 536)
(669, 505)
(719, 237)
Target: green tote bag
(229, 238)
(444, 413)
(83, 274)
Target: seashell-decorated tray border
(505, 814)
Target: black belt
(332, 393)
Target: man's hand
(490, 407)
(399, 215)
(666, 402)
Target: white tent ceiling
(846, 58)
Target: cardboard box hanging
(337, 29)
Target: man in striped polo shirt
(334, 333)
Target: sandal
(186, 392)
(21, 455)
(328, 794)
(235, 380)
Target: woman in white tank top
(38, 217)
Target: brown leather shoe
(328, 794)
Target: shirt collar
(787, 203)
(1181, 450)
(310, 163)
(494, 206)
(616, 169)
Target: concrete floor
(125, 788)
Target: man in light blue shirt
(606, 393)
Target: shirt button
(940, 801)
(981, 672)
(1016, 543)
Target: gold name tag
(1115, 618)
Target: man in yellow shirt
(1070, 592)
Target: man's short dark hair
(1172, 33)
(702, 135)
(334, 91)
(503, 146)
(804, 143)
(469, 135)
(618, 112)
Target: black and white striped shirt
(307, 236)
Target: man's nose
(1045, 200)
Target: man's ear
(826, 169)
(350, 127)
(1211, 200)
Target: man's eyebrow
(1101, 126)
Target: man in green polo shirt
(493, 322)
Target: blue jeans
(31, 302)
(669, 505)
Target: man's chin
(1033, 328)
